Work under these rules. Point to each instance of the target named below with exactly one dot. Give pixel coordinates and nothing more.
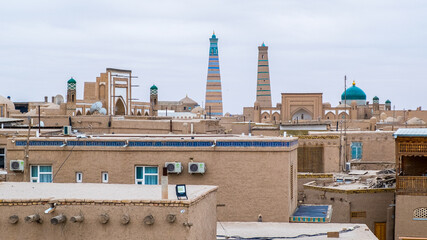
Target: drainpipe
(390, 221)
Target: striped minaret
(213, 106)
(263, 91)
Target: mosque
(113, 89)
(309, 107)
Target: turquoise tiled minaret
(213, 104)
(263, 90)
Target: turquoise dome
(71, 80)
(388, 101)
(153, 87)
(353, 93)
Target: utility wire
(62, 164)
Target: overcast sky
(312, 45)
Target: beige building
(361, 198)
(231, 163)
(411, 184)
(105, 211)
(360, 114)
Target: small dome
(263, 45)
(153, 87)
(415, 121)
(71, 80)
(10, 105)
(187, 100)
(198, 109)
(376, 98)
(353, 93)
(387, 101)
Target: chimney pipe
(45, 99)
(165, 184)
(53, 99)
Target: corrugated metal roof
(411, 132)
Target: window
(420, 214)
(79, 177)
(41, 173)
(356, 150)
(104, 176)
(2, 151)
(146, 175)
(358, 214)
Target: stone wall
(368, 206)
(193, 219)
(405, 224)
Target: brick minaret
(263, 90)
(213, 104)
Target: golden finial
(354, 83)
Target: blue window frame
(146, 175)
(40, 174)
(356, 150)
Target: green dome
(71, 80)
(353, 93)
(376, 98)
(388, 101)
(153, 87)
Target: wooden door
(380, 231)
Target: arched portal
(302, 114)
(120, 107)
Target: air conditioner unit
(347, 167)
(66, 130)
(196, 167)
(17, 165)
(174, 167)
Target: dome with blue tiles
(353, 93)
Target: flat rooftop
(309, 231)
(94, 191)
(357, 180)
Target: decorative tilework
(253, 144)
(91, 143)
(39, 143)
(170, 144)
(97, 143)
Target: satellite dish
(96, 107)
(41, 124)
(103, 111)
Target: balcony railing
(411, 185)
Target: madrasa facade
(309, 107)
